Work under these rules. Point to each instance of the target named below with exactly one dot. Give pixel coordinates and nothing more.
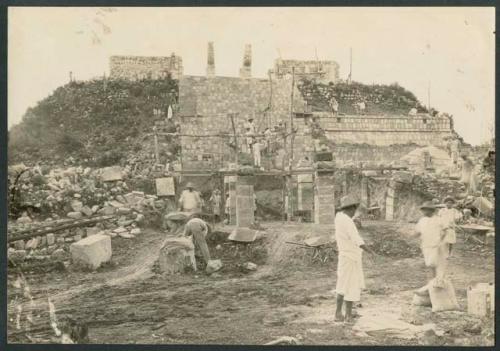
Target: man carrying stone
(350, 276)
(190, 200)
(185, 225)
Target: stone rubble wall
(140, 67)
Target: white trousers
(350, 278)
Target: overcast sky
(452, 48)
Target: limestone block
(243, 235)
(176, 256)
(76, 205)
(213, 266)
(19, 244)
(91, 251)
(87, 211)
(75, 215)
(51, 239)
(111, 174)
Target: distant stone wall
(385, 131)
(206, 104)
(319, 71)
(140, 67)
(367, 139)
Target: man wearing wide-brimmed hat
(350, 276)
(432, 232)
(450, 216)
(190, 200)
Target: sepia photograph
(251, 176)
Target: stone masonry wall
(321, 71)
(140, 67)
(207, 103)
(371, 138)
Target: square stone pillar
(244, 201)
(389, 201)
(305, 192)
(324, 197)
(365, 192)
(231, 181)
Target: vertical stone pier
(365, 192)
(324, 197)
(246, 69)
(244, 201)
(210, 60)
(389, 201)
(305, 192)
(231, 181)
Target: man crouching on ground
(350, 277)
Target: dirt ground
(290, 293)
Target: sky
(450, 50)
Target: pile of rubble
(76, 195)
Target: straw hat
(348, 201)
(449, 198)
(177, 216)
(428, 205)
(190, 185)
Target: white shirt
(430, 229)
(449, 216)
(190, 200)
(347, 237)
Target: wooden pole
(157, 149)
(235, 138)
(290, 159)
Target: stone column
(389, 201)
(324, 197)
(231, 181)
(246, 69)
(211, 60)
(305, 192)
(365, 192)
(244, 201)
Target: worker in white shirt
(350, 276)
(190, 200)
(250, 125)
(432, 233)
(256, 149)
(450, 217)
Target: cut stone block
(244, 235)
(19, 244)
(176, 256)
(135, 231)
(108, 210)
(165, 186)
(111, 174)
(32, 244)
(76, 205)
(213, 266)
(51, 239)
(91, 251)
(75, 215)
(92, 231)
(87, 211)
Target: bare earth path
(288, 296)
